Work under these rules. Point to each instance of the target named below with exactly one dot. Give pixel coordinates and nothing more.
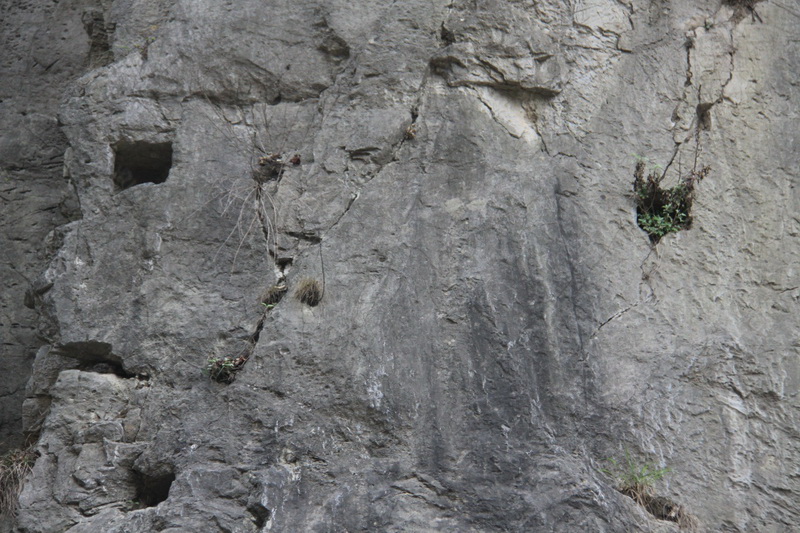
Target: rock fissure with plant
(661, 211)
(637, 481)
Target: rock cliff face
(458, 178)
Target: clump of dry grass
(309, 291)
(14, 466)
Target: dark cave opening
(95, 356)
(152, 490)
(137, 162)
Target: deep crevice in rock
(308, 236)
(225, 369)
(284, 262)
(446, 36)
(98, 30)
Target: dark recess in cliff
(137, 162)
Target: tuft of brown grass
(14, 466)
(309, 291)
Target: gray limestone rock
(43, 49)
(493, 326)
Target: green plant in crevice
(224, 369)
(659, 225)
(637, 481)
(14, 466)
(660, 211)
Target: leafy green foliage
(659, 225)
(662, 211)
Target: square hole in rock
(152, 490)
(137, 162)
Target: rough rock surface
(43, 47)
(494, 324)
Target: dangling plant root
(250, 200)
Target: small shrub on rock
(633, 479)
(662, 211)
(637, 480)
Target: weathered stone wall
(44, 47)
(494, 324)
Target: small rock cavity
(137, 162)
